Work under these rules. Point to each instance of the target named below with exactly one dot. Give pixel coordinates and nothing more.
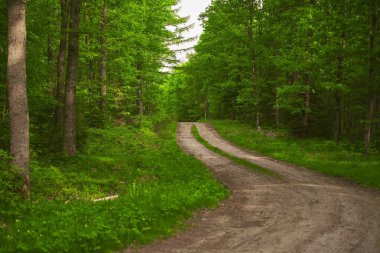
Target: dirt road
(303, 212)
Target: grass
(321, 155)
(237, 160)
(159, 187)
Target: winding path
(302, 212)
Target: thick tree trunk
(61, 65)
(103, 60)
(372, 77)
(17, 96)
(69, 141)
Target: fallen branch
(107, 198)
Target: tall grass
(317, 154)
(158, 185)
(237, 160)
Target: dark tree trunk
(372, 77)
(277, 112)
(103, 60)
(17, 96)
(338, 103)
(49, 56)
(307, 103)
(69, 140)
(61, 65)
(338, 117)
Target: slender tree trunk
(372, 77)
(141, 110)
(253, 58)
(206, 108)
(338, 117)
(308, 87)
(69, 141)
(17, 96)
(338, 103)
(103, 60)
(61, 65)
(49, 56)
(140, 89)
(277, 112)
(307, 103)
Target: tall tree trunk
(338, 103)
(61, 65)
(17, 96)
(251, 10)
(307, 103)
(103, 60)
(69, 138)
(338, 117)
(277, 111)
(49, 57)
(140, 89)
(372, 76)
(206, 108)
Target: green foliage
(180, 101)
(135, 33)
(237, 160)
(293, 64)
(158, 186)
(10, 184)
(346, 160)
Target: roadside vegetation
(158, 187)
(237, 160)
(346, 160)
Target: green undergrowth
(158, 185)
(237, 160)
(317, 154)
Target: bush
(10, 184)
(158, 186)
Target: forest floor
(302, 211)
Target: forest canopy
(308, 66)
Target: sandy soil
(303, 212)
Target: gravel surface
(302, 212)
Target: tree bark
(103, 59)
(277, 112)
(372, 77)
(307, 103)
(338, 117)
(61, 65)
(206, 108)
(17, 95)
(69, 141)
(251, 10)
(140, 89)
(338, 103)
(49, 56)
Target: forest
(307, 66)
(91, 93)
